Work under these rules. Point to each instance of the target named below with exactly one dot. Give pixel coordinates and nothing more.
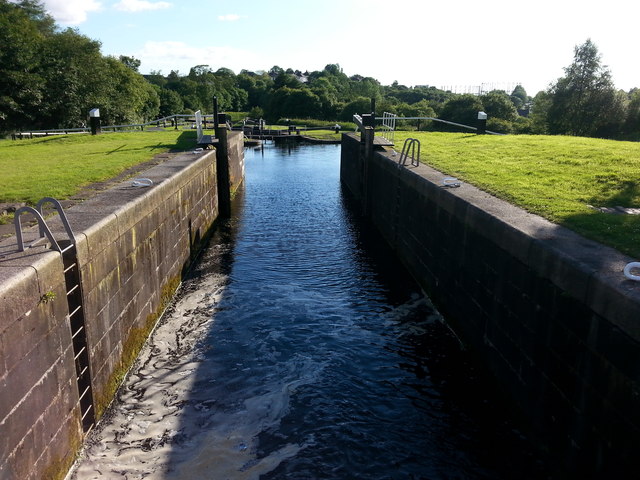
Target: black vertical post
(482, 123)
(215, 114)
(94, 121)
(222, 162)
(373, 106)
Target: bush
(523, 125)
(499, 125)
(256, 112)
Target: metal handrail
(388, 126)
(357, 119)
(44, 228)
(63, 131)
(42, 224)
(63, 216)
(442, 121)
(410, 145)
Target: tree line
(51, 78)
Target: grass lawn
(59, 166)
(322, 134)
(553, 176)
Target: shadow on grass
(618, 230)
(185, 141)
(616, 193)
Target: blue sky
(416, 42)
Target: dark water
(307, 354)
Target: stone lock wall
(549, 312)
(133, 245)
(37, 375)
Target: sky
(455, 43)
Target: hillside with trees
(51, 78)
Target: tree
(130, 62)
(462, 109)
(21, 85)
(75, 75)
(497, 104)
(540, 112)
(51, 78)
(418, 109)
(632, 123)
(294, 102)
(583, 102)
(519, 96)
(360, 105)
(170, 102)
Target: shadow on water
(300, 348)
(326, 361)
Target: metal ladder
(73, 287)
(410, 146)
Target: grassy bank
(59, 166)
(559, 178)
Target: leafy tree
(358, 106)
(540, 112)
(51, 78)
(328, 95)
(126, 97)
(284, 79)
(258, 88)
(419, 109)
(21, 85)
(275, 71)
(256, 113)
(76, 79)
(156, 78)
(498, 105)
(130, 62)
(462, 109)
(519, 96)
(36, 12)
(367, 87)
(294, 102)
(583, 102)
(170, 102)
(632, 123)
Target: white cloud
(167, 56)
(232, 17)
(71, 12)
(140, 5)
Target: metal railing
(441, 121)
(172, 121)
(388, 127)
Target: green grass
(322, 134)
(59, 166)
(553, 176)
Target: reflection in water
(299, 348)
